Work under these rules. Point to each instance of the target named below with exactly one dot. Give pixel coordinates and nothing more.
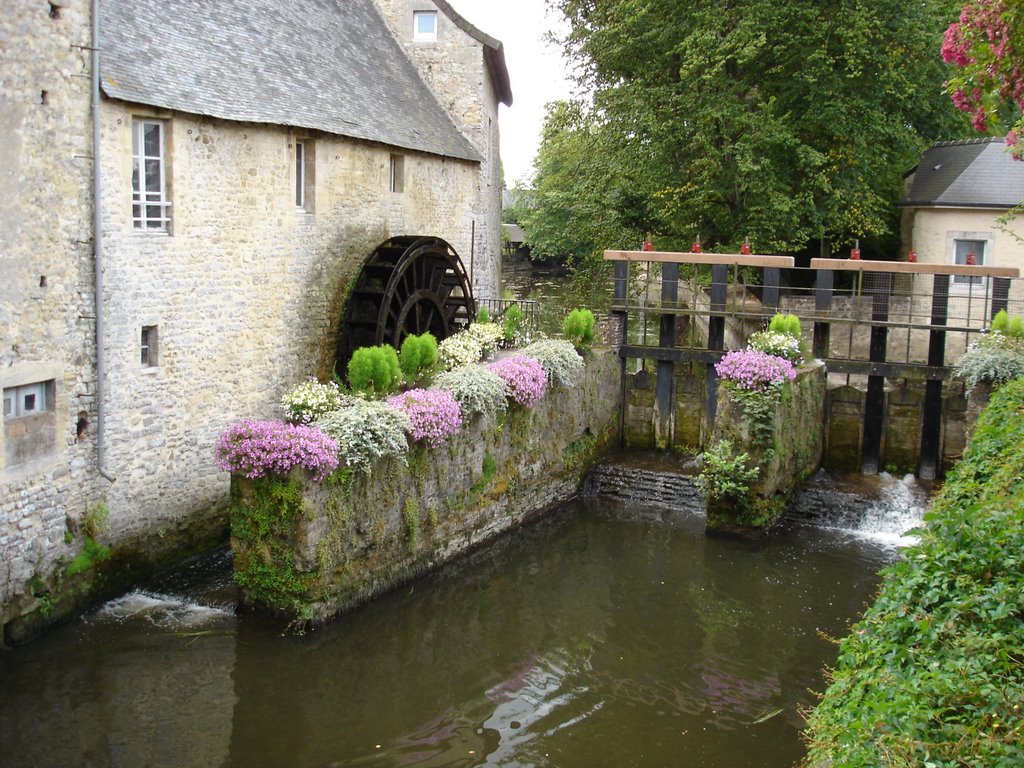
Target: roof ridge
(964, 142)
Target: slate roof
(978, 173)
(328, 65)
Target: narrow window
(396, 181)
(149, 176)
(148, 346)
(300, 174)
(424, 26)
(969, 252)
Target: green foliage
(784, 122)
(724, 474)
(788, 324)
(933, 674)
(482, 315)
(411, 523)
(92, 553)
(579, 328)
(95, 520)
(778, 344)
(513, 325)
(418, 357)
(374, 371)
(993, 360)
(1007, 325)
(488, 471)
(759, 408)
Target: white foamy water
(885, 520)
(163, 611)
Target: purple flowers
(435, 415)
(257, 448)
(524, 376)
(751, 369)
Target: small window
(424, 26)
(30, 427)
(148, 346)
(305, 175)
(150, 206)
(396, 181)
(26, 400)
(968, 252)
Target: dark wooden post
(716, 334)
(620, 286)
(664, 386)
(1000, 294)
(770, 294)
(931, 424)
(824, 281)
(874, 404)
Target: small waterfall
(165, 611)
(880, 508)
(647, 478)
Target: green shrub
(476, 388)
(418, 357)
(994, 359)
(724, 474)
(579, 328)
(788, 324)
(482, 315)
(513, 325)
(374, 370)
(367, 430)
(559, 359)
(1007, 325)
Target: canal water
(607, 634)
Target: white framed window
(150, 206)
(305, 175)
(396, 174)
(969, 248)
(424, 26)
(26, 400)
(148, 346)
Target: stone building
(251, 157)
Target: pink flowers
(435, 415)
(257, 448)
(754, 370)
(524, 376)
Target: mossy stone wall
(309, 551)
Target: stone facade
(207, 322)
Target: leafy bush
(310, 400)
(752, 369)
(482, 315)
(787, 324)
(477, 389)
(778, 344)
(933, 674)
(559, 358)
(434, 415)
(524, 376)
(994, 360)
(724, 474)
(1009, 326)
(258, 448)
(374, 370)
(513, 326)
(367, 430)
(460, 349)
(579, 328)
(418, 356)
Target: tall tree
(726, 119)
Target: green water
(604, 635)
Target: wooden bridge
(869, 321)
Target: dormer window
(424, 26)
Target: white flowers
(311, 400)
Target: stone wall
(47, 481)
(353, 537)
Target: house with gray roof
(189, 195)
(954, 199)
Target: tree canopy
(783, 122)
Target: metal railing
(496, 309)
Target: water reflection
(604, 635)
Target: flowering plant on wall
(752, 369)
(460, 349)
(434, 415)
(524, 376)
(258, 448)
(478, 389)
(777, 344)
(559, 358)
(310, 400)
(367, 430)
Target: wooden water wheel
(410, 285)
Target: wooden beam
(741, 259)
(913, 267)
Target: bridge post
(716, 334)
(619, 313)
(1000, 294)
(874, 404)
(770, 294)
(931, 424)
(822, 307)
(664, 391)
